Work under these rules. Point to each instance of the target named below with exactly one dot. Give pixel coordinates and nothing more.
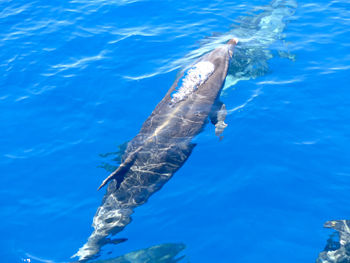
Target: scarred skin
(160, 148)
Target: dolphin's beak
(233, 41)
(330, 224)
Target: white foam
(195, 77)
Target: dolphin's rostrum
(162, 145)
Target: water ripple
(80, 63)
(12, 10)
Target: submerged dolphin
(162, 145)
(337, 251)
(163, 253)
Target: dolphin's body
(162, 145)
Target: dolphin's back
(185, 118)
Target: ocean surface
(79, 77)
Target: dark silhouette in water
(115, 158)
(164, 253)
(337, 251)
(162, 145)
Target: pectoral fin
(217, 117)
(119, 173)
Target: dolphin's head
(339, 225)
(233, 41)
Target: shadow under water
(115, 158)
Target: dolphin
(165, 140)
(163, 253)
(163, 144)
(337, 251)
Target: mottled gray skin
(337, 251)
(156, 153)
(164, 253)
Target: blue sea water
(79, 77)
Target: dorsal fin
(122, 169)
